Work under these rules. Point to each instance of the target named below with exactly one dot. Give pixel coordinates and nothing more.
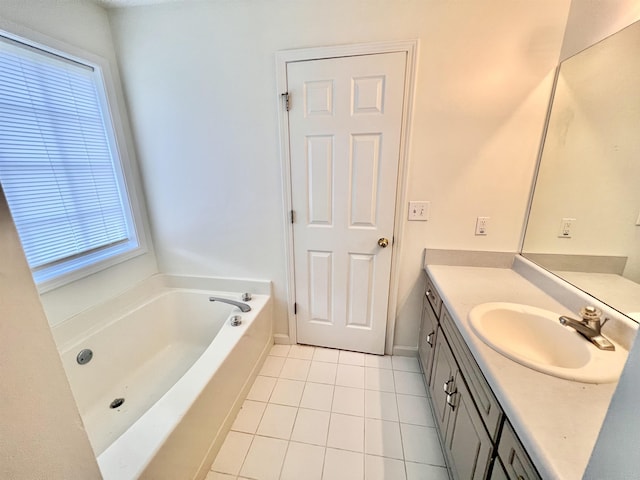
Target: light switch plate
(419, 211)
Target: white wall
(79, 26)
(592, 20)
(41, 433)
(200, 80)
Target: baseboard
(281, 339)
(404, 351)
(400, 350)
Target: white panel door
(344, 127)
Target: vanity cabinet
(467, 444)
(442, 380)
(513, 456)
(486, 403)
(498, 472)
(429, 328)
(479, 442)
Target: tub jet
(116, 403)
(84, 356)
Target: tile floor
(322, 414)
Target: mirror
(584, 219)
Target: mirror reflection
(584, 222)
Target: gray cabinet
(478, 441)
(427, 337)
(442, 383)
(498, 472)
(467, 440)
(486, 403)
(516, 462)
(467, 445)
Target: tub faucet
(241, 305)
(590, 327)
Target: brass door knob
(383, 242)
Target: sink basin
(535, 338)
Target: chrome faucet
(590, 327)
(241, 305)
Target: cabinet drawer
(433, 296)
(513, 456)
(488, 406)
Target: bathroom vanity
(497, 418)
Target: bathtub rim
(91, 400)
(69, 332)
(129, 455)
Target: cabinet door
(442, 381)
(514, 457)
(468, 442)
(427, 339)
(498, 472)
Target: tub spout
(241, 305)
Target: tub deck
(179, 365)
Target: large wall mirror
(584, 221)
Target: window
(59, 165)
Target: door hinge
(293, 216)
(285, 100)
(295, 308)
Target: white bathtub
(179, 365)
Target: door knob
(383, 242)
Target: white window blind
(57, 165)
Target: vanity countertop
(557, 420)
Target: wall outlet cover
(482, 225)
(566, 227)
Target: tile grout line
(284, 458)
(363, 389)
(244, 459)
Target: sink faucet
(241, 305)
(589, 327)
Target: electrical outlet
(482, 224)
(419, 211)
(566, 226)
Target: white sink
(535, 338)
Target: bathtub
(167, 374)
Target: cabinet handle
(451, 400)
(428, 339)
(445, 387)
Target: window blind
(56, 165)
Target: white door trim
(286, 56)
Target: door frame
(284, 57)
